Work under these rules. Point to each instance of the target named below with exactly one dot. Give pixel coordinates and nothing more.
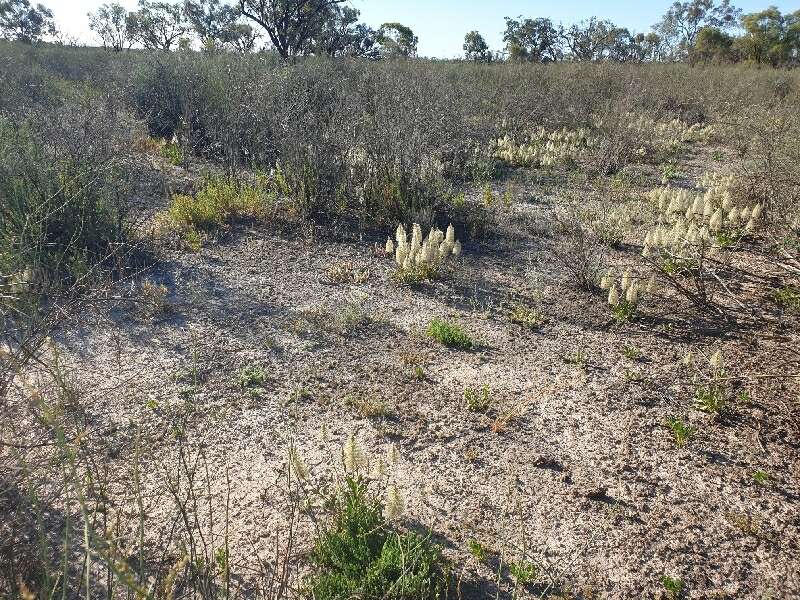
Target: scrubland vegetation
(343, 328)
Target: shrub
(221, 200)
(577, 249)
(450, 335)
(360, 556)
(60, 216)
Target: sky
(441, 25)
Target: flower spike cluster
(432, 250)
(665, 136)
(628, 291)
(690, 224)
(543, 149)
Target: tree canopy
(21, 21)
(476, 48)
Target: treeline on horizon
(694, 31)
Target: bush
(360, 556)
(61, 215)
(219, 201)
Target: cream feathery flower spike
(625, 283)
(400, 235)
(395, 504)
(716, 361)
(613, 296)
(632, 295)
(716, 220)
(353, 455)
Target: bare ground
(572, 465)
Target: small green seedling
(478, 400)
(680, 431)
(673, 586)
(252, 376)
(478, 550)
(631, 352)
(523, 572)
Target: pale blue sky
(441, 25)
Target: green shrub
(160, 91)
(360, 556)
(60, 215)
(172, 152)
(450, 335)
(221, 200)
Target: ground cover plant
(329, 320)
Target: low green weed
(173, 153)
(631, 352)
(478, 550)
(578, 358)
(526, 317)
(450, 335)
(710, 398)
(680, 431)
(416, 274)
(252, 376)
(523, 572)
(788, 298)
(673, 586)
(220, 201)
(478, 400)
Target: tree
(342, 35)
(219, 25)
(533, 40)
(683, 21)
(712, 45)
(157, 25)
(596, 40)
(112, 24)
(241, 37)
(770, 37)
(209, 19)
(476, 48)
(397, 40)
(25, 23)
(291, 25)
(647, 47)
